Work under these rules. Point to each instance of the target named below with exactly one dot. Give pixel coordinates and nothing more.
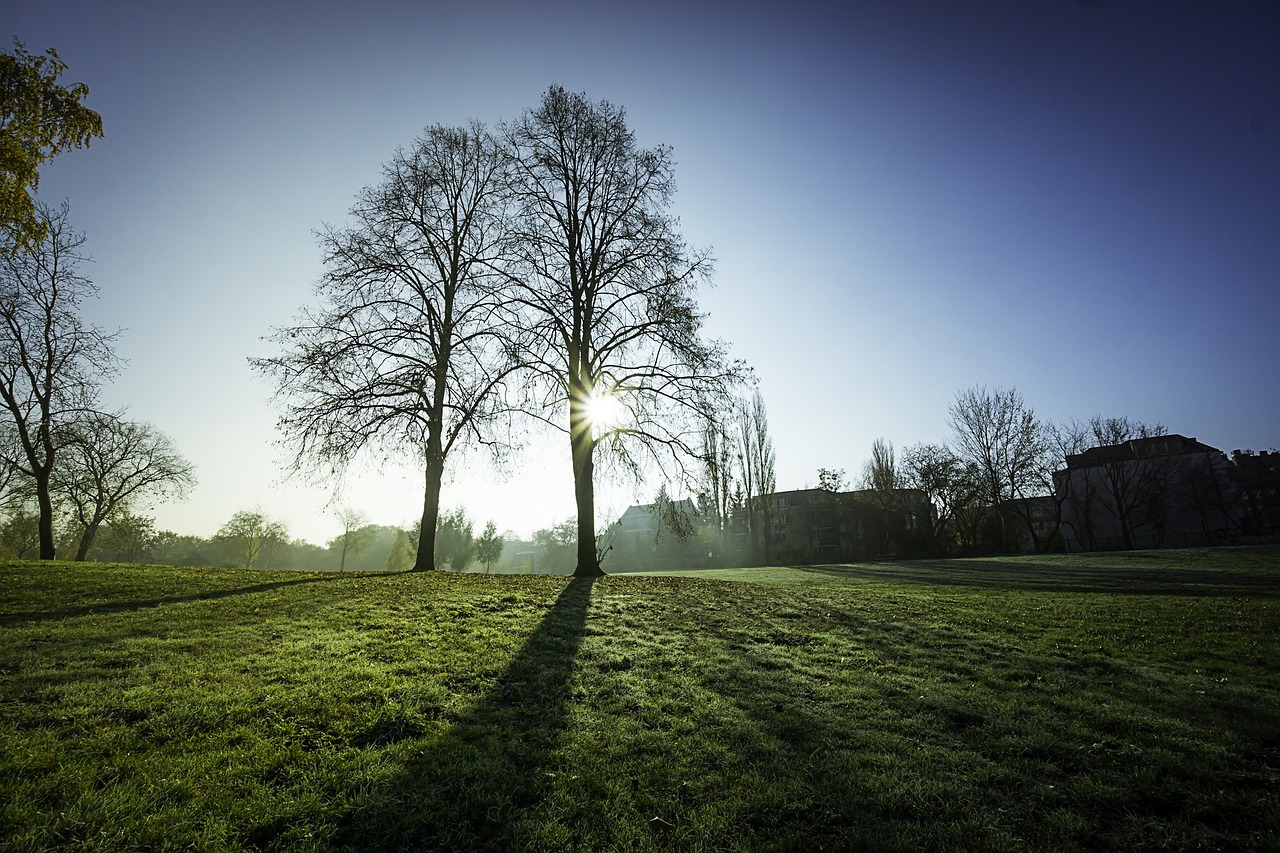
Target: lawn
(1121, 701)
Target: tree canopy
(39, 118)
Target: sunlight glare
(605, 411)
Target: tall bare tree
(607, 289)
(108, 463)
(757, 459)
(406, 347)
(999, 434)
(51, 361)
(716, 488)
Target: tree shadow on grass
(97, 609)
(465, 790)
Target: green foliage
(489, 546)
(1062, 704)
(39, 119)
(455, 540)
(403, 551)
(252, 539)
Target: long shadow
(464, 791)
(144, 603)
(1004, 574)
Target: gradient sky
(905, 199)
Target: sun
(605, 411)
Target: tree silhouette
(406, 348)
(606, 289)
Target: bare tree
(936, 471)
(716, 488)
(607, 291)
(108, 463)
(756, 459)
(355, 534)
(407, 348)
(1134, 486)
(999, 434)
(758, 448)
(51, 361)
(882, 480)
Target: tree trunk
(45, 524)
(426, 558)
(86, 542)
(581, 447)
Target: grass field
(1122, 701)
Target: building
(1158, 492)
(1256, 477)
(819, 526)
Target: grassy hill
(1124, 701)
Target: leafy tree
(831, 479)
(126, 537)
(402, 552)
(455, 539)
(252, 536)
(559, 541)
(404, 350)
(20, 532)
(51, 361)
(606, 289)
(39, 119)
(489, 546)
(108, 461)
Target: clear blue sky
(1079, 199)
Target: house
(660, 535)
(1154, 492)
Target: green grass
(1121, 701)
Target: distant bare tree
(355, 534)
(716, 488)
(882, 480)
(51, 361)
(999, 434)
(108, 463)
(607, 290)
(936, 470)
(406, 348)
(756, 460)
(1134, 488)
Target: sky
(1076, 198)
